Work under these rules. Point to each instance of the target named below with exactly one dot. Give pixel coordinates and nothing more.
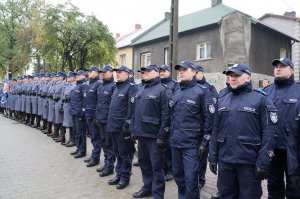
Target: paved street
(33, 166)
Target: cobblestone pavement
(32, 166)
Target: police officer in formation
(166, 79)
(67, 117)
(90, 101)
(192, 119)
(104, 96)
(243, 137)
(284, 178)
(119, 119)
(151, 126)
(78, 110)
(251, 134)
(202, 81)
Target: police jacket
(211, 88)
(244, 128)
(76, 101)
(294, 163)
(104, 95)
(170, 83)
(286, 95)
(120, 110)
(90, 95)
(151, 110)
(192, 115)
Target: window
(122, 60)
(166, 55)
(204, 51)
(145, 59)
(282, 52)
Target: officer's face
(186, 74)
(199, 75)
(122, 76)
(70, 79)
(282, 71)
(164, 74)
(142, 75)
(92, 74)
(60, 78)
(150, 74)
(107, 75)
(79, 77)
(237, 80)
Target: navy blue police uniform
(285, 94)
(243, 139)
(173, 86)
(77, 106)
(192, 119)
(104, 95)
(151, 126)
(214, 94)
(118, 121)
(90, 102)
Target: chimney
(290, 14)
(118, 35)
(137, 26)
(167, 16)
(215, 2)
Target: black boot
(32, 118)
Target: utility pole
(173, 38)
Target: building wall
(292, 28)
(187, 45)
(128, 51)
(266, 41)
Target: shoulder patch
(260, 91)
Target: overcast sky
(120, 15)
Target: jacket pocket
(249, 140)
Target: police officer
(151, 125)
(285, 93)
(243, 137)
(90, 101)
(66, 98)
(118, 125)
(46, 128)
(104, 95)
(166, 79)
(58, 113)
(39, 101)
(34, 99)
(77, 111)
(28, 103)
(192, 118)
(51, 113)
(202, 80)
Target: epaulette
(260, 91)
(164, 85)
(201, 86)
(268, 85)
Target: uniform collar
(284, 82)
(188, 84)
(152, 82)
(166, 80)
(108, 81)
(93, 80)
(246, 87)
(122, 83)
(202, 81)
(81, 81)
